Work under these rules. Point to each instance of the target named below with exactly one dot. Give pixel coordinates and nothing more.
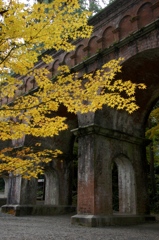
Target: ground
(60, 228)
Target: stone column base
(110, 220)
(37, 210)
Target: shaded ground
(60, 228)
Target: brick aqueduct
(128, 29)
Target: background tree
(94, 5)
(152, 133)
(110, 1)
(27, 34)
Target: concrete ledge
(37, 210)
(110, 220)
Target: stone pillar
(51, 187)
(65, 180)
(21, 191)
(94, 174)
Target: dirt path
(60, 228)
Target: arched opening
(125, 185)
(142, 67)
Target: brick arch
(55, 66)
(29, 84)
(92, 46)
(145, 15)
(68, 60)
(140, 68)
(125, 27)
(143, 67)
(155, 9)
(49, 68)
(108, 37)
(79, 54)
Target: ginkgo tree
(27, 33)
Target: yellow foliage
(28, 162)
(26, 33)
